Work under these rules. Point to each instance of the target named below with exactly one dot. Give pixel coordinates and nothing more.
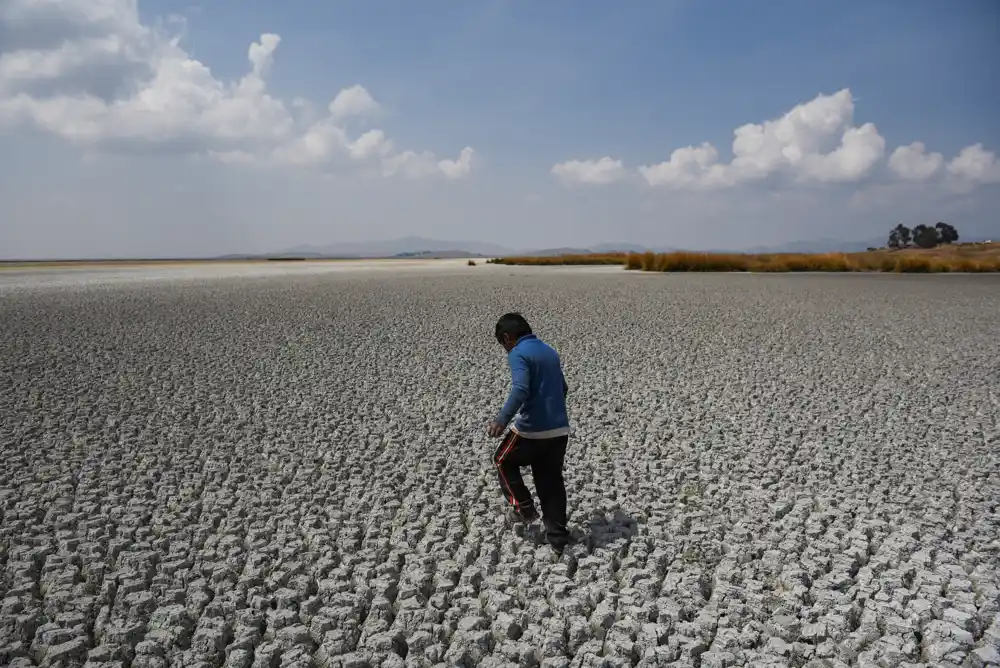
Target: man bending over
(539, 436)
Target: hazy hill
(394, 247)
(415, 246)
(439, 254)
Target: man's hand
(495, 430)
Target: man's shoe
(514, 516)
(556, 553)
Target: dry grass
(965, 258)
(906, 261)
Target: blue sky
(559, 78)
(526, 86)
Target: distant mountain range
(421, 247)
(821, 246)
(406, 246)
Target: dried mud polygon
(293, 471)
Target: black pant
(545, 457)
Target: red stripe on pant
(512, 436)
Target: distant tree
(904, 234)
(926, 236)
(899, 237)
(948, 233)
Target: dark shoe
(516, 517)
(556, 552)
(558, 537)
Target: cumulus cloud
(90, 72)
(593, 172)
(914, 163)
(860, 149)
(687, 166)
(417, 165)
(353, 101)
(456, 169)
(975, 165)
(814, 142)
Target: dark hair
(513, 324)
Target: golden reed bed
(964, 258)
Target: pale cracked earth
(292, 470)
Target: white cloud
(803, 143)
(353, 101)
(974, 165)
(456, 169)
(414, 165)
(860, 149)
(593, 172)
(91, 73)
(373, 142)
(687, 166)
(814, 142)
(913, 163)
(316, 146)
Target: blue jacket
(538, 389)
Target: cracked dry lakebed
(276, 467)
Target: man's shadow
(600, 531)
(603, 530)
